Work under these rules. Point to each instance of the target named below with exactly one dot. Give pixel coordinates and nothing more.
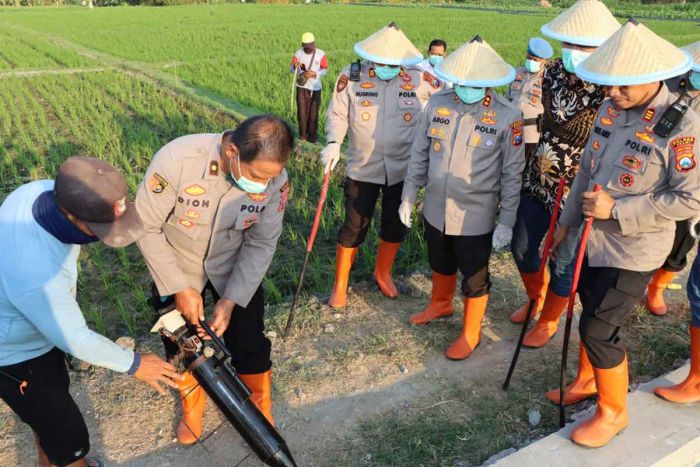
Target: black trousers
(47, 406)
(469, 254)
(608, 295)
(245, 336)
(308, 104)
(683, 242)
(360, 202)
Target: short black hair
(266, 136)
(438, 43)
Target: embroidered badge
(408, 102)
(157, 183)
(248, 221)
(517, 124)
(213, 168)
(486, 102)
(437, 146)
(408, 87)
(489, 117)
(685, 156)
(649, 115)
(607, 121)
(372, 74)
(195, 190)
(407, 117)
(192, 214)
(433, 81)
(284, 197)
(596, 145)
(627, 180)
(443, 111)
(519, 78)
(367, 85)
(257, 197)
(476, 139)
(185, 223)
(515, 86)
(365, 116)
(602, 132)
(366, 104)
(517, 137)
(342, 83)
(612, 112)
(645, 136)
(632, 162)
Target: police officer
(526, 90)
(468, 154)
(648, 171)
(683, 241)
(376, 103)
(569, 105)
(689, 390)
(212, 206)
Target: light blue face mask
(470, 95)
(533, 66)
(694, 80)
(435, 59)
(572, 58)
(386, 72)
(246, 184)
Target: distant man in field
(437, 50)
(526, 90)
(376, 103)
(212, 205)
(309, 64)
(569, 105)
(43, 225)
(472, 175)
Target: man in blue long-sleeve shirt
(42, 225)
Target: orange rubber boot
(194, 400)
(440, 306)
(610, 416)
(655, 291)
(582, 387)
(261, 386)
(531, 287)
(546, 326)
(344, 257)
(689, 390)
(464, 345)
(386, 253)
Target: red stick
(319, 210)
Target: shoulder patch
(342, 83)
(284, 197)
(516, 132)
(685, 155)
(430, 79)
(487, 101)
(157, 183)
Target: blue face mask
(470, 95)
(435, 59)
(246, 184)
(572, 58)
(533, 66)
(694, 80)
(386, 72)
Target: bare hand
(598, 205)
(153, 370)
(189, 302)
(559, 237)
(222, 316)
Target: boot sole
(383, 294)
(465, 358)
(592, 396)
(432, 320)
(675, 402)
(602, 445)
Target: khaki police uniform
(203, 231)
(526, 93)
(469, 158)
(655, 182)
(380, 118)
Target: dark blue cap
(539, 48)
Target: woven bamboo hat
(389, 46)
(694, 51)
(586, 22)
(475, 64)
(634, 55)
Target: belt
(530, 121)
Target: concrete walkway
(660, 434)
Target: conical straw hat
(586, 22)
(634, 55)
(389, 46)
(694, 51)
(475, 64)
